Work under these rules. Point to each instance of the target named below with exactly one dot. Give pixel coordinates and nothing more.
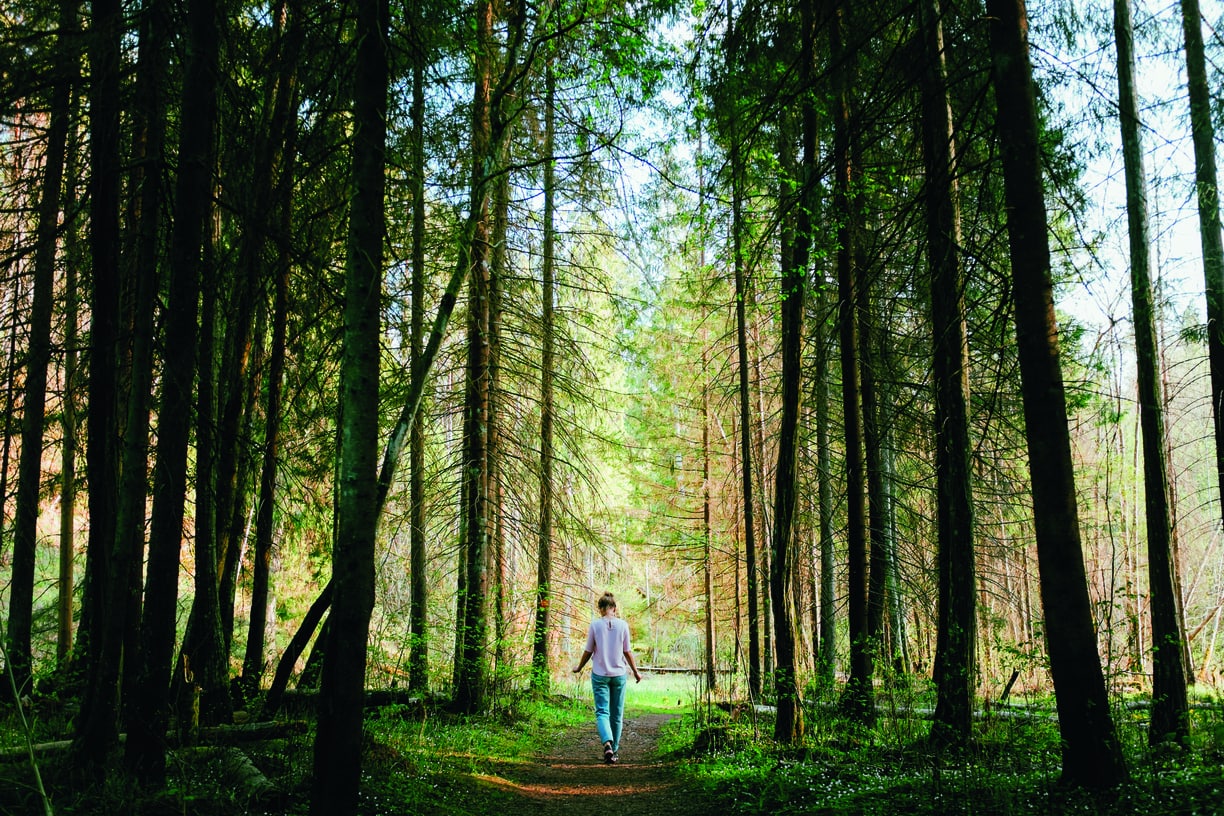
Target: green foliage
(1012, 768)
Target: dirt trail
(571, 776)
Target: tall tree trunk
(1169, 704)
(418, 658)
(38, 356)
(236, 392)
(275, 187)
(1208, 195)
(877, 509)
(540, 674)
(743, 366)
(470, 673)
(898, 641)
(143, 282)
(68, 471)
(338, 741)
(391, 453)
(956, 628)
(788, 726)
(106, 572)
(765, 549)
(745, 419)
(1091, 753)
(707, 566)
(202, 659)
(496, 527)
(858, 698)
(826, 667)
(146, 747)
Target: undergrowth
(842, 768)
(418, 759)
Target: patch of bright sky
(1082, 81)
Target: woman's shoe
(609, 754)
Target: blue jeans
(609, 706)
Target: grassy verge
(888, 768)
(418, 760)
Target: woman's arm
(637, 675)
(583, 661)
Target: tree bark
(877, 500)
(858, 697)
(498, 272)
(38, 357)
(1169, 705)
(338, 740)
(743, 366)
(68, 472)
(276, 171)
(418, 657)
(957, 613)
(826, 666)
(471, 669)
(707, 566)
(540, 670)
(1208, 196)
(145, 751)
(106, 574)
(788, 726)
(142, 284)
(1091, 753)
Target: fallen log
(213, 735)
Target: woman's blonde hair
(608, 600)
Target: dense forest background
(356, 346)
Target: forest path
(571, 777)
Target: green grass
(841, 768)
(417, 760)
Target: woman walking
(611, 656)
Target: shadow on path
(572, 778)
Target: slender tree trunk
(68, 472)
(470, 673)
(1169, 704)
(106, 573)
(297, 645)
(496, 527)
(1208, 195)
(1092, 755)
(540, 675)
(788, 725)
(202, 661)
(10, 389)
(146, 747)
(743, 366)
(745, 420)
(858, 697)
(338, 741)
(827, 663)
(38, 357)
(143, 283)
(765, 550)
(877, 511)
(898, 638)
(418, 660)
(956, 628)
(236, 392)
(707, 566)
(276, 174)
